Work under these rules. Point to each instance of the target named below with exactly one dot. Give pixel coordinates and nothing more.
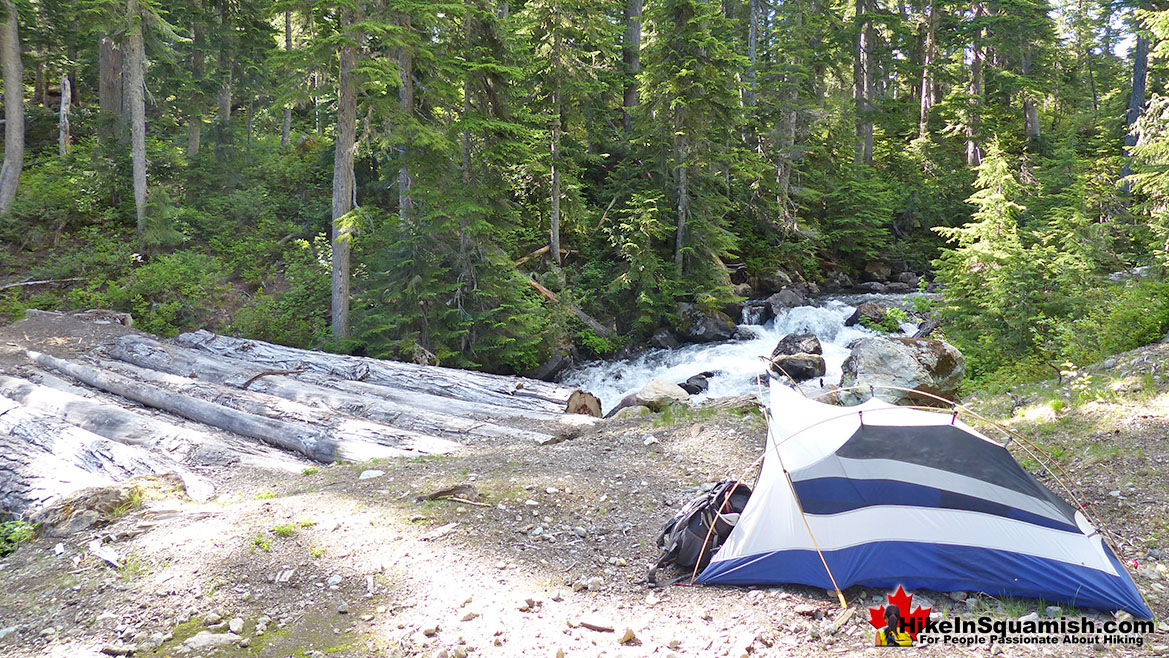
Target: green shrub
(13, 534)
(173, 292)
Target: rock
(697, 384)
(1053, 611)
(871, 286)
(632, 411)
(664, 339)
(430, 631)
(236, 625)
(459, 652)
(742, 289)
(958, 596)
(1031, 616)
(800, 367)
(556, 363)
(333, 581)
(205, 641)
(469, 616)
(785, 299)
(370, 473)
(579, 586)
(343, 609)
(899, 288)
(770, 282)
(245, 642)
(793, 344)
(629, 638)
(579, 531)
(212, 619)
(118, 649)
(593, 584)
(877, 271)
(910, 279)
(928, 365)
(756, 312)
(703, 327)
(650, 440)
(866, 311)
(807, 610)
(836, 281)
(659, 393)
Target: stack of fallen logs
(245, 398)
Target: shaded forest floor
(546, 544)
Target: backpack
(688, 539)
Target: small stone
(333, 581)
(628, 637)
(1053, 611)
(580, 532)
(806, 610)
(531, 503)
(371, 473)
(469, 616)
(650, 441)
(620, 562)
(442, 653)
(119, 649)
(1031, 616)
(1115, 493)
(579, 586)
(972, 602)
(49, 632)
(501, 565)
(236, 625)
(537, 531)
(245, 642)
(958, 596)
(594, 583)
(674, 644)
(343, 609)
(212, 619)
(551, 490)
(652, 599)
(430, 631)
(459, 652)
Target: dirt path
(551, 543)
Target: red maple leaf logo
(911, 622)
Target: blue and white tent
(898, 496)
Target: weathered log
(112, 422)
(426, 416)
(342, 427)
(43, 459)
(589, 320)
(310, 442)
(42, 282)
(513, 392)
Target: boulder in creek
(874, 313)
(925, 364)
(800, 367)
(697, 384)
(877, 271)
(793, 344)
(872, 286)
(785, 299)
(664, 339)
(660, 393)
(770, 282)
(700, 326)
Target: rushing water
(737, 363)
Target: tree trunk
(1030, 108)
(682, 176)
(752, 50)
(286, 127)
(109, 93)
(13, 109)
(973, 153)
(343, 181)
(1136, 102)
(43, 459)
(929, 54)
(507, 392)
(411, 412)
(198, 63)
(63, 136)
(863, 82)
(555, 201)
(135, 91)
(406, 106)
(631, 57)
(223, 118)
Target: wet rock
(664, 339)
(800, 367)
(869, 311)
(899, 288)
(701, 326)
(871, 286)
(785, 299)
(793, 344)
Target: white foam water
(737, 364)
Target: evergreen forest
(479, 183)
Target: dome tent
(879, 496)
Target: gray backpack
(694, 534)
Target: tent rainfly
(898, 496)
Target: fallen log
(591, 322)
(466, 385)
(112, 422)
(342, 427)
(42, 282)
(310, 442)
(426, 416)
(43, 459)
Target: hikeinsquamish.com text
(1065, 630)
